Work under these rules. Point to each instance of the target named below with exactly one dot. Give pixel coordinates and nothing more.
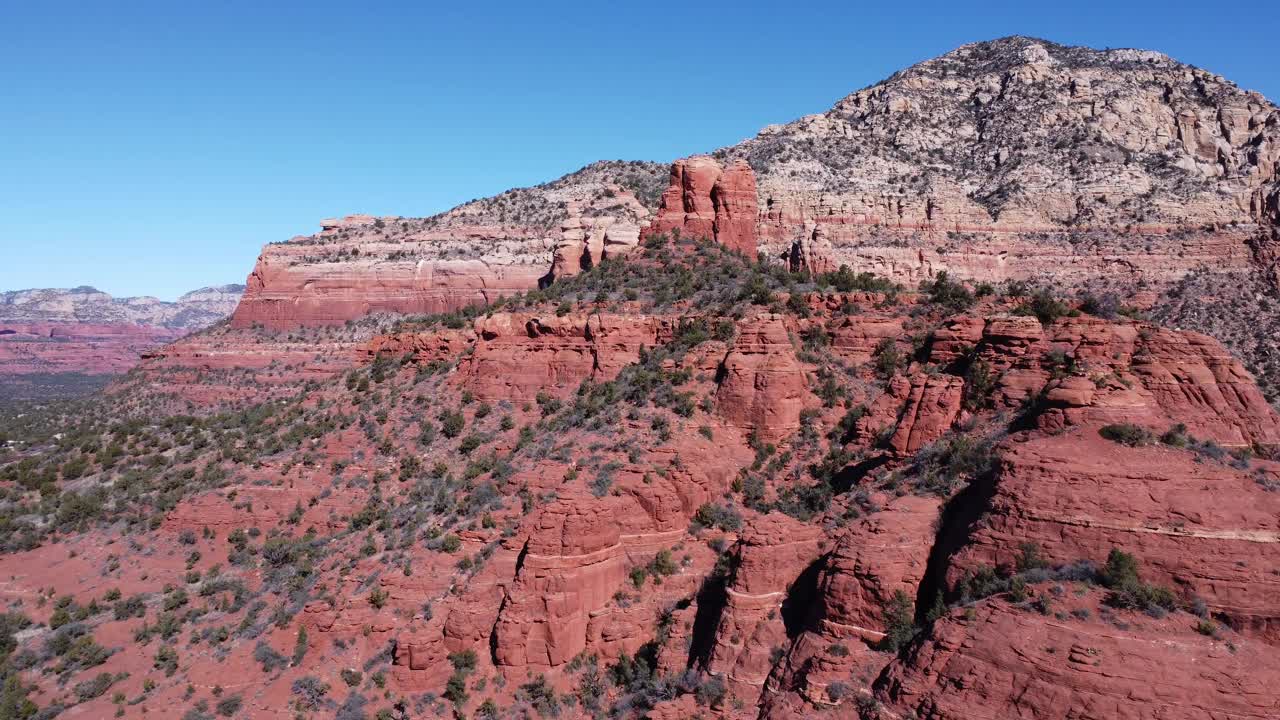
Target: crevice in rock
(712, 599)
(506, 594)
(799, 608)
(493, 631)
(722, 370)
(524, 550)
(959, 517)
(844, 480)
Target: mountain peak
(1015, 50)
(995, 125)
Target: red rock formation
(995, 660)
(856, 337)
(288, 290)
(771, 557)
(421, 659)
(471, 621)
(735, 202)
(1194, 379)
(882, 553)
(763, 385)
(707, 200)
(471, 254)
(580, 550)
(572, 565)
(518, 355)
(932, 406)
(1201, 527)
(1099, 372)
(956, 339)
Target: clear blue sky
(151, 148)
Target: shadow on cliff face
(493, 632)
(959, 517)
(712, 598)
(800, 608)
(844, 480)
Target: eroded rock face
(932, 407)
(885, 552)
(555, 594)
(883, 171)
(313, 282)
(518, 355)
(856, 337)
(705, 199)
(774, 568)
(474, 253)
(585, 241)
(1101, 372)
(999, 661)
(812, 252)
(763, 385)
(1201, 527)
(735, 202)
(573, 563)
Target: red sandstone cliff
(690, 485)
(704, 199)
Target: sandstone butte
(573, 451)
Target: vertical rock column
(704, 199)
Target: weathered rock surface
(762, 385)
(774, 557)
(586, 240)
(1022, 158)
(519, 355)
(707, 200)
(1199, 526)
(878, 555)
(475, 253)
(932, 407)
(998, 661)
(1102, 372)
(884, 552)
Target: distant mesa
(52, 333)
